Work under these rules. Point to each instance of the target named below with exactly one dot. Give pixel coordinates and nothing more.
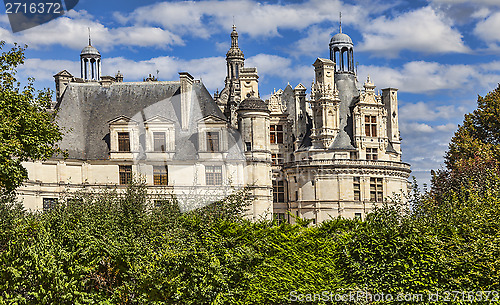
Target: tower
(231, 95)
(90, 62)
(253, 117)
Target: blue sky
(441, 54)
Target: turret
(234, 57)
(90, 62)
(253, 118)
(341, 52)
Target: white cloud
(428, 77)
(487, 29)
(471, 2)
(425, 112)
(423, 30)
(44, 70)
(424, 147)
(277, 66)
(71, 31)
(203, 18)
(316, 41)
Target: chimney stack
(186, 98)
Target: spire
(90, 41)
(234, 38)
(340, 22)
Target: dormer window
(160, 135)
(370, 125)
(160, 142)
(123, 133)
(212, 136)
(124, 142)
(212, 141)
(276, 134)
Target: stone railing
(349, 163)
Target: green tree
(27, 129)
(479, 135)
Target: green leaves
(107, 247)
(27, 129)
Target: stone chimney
(62, 80)
(186, 98)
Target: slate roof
(348, 93)
(253, 103)
(86, 108)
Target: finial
(234, 26)
(368, 79)
(90, 41)
(340, 22)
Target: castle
(336, 154)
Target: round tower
(90, 62)
(253, 119)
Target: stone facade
(335, 154)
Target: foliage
(27, 130)
(479, 135)
(109, 247)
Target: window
(277, 159)
(123, 141)
(279, 217)
(357, 216)
(160, 175)
(125, 174)
(160, 142)
(248, 146)
(357, 188)
(371, 154)
(213, 175)
(276, 134)
(212, 141)
(49, 204)
(353, 155)
(370, 125)
(278, 191)
(296, 195)
(376, 190)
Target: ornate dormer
(370, 119)
(325, 104)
